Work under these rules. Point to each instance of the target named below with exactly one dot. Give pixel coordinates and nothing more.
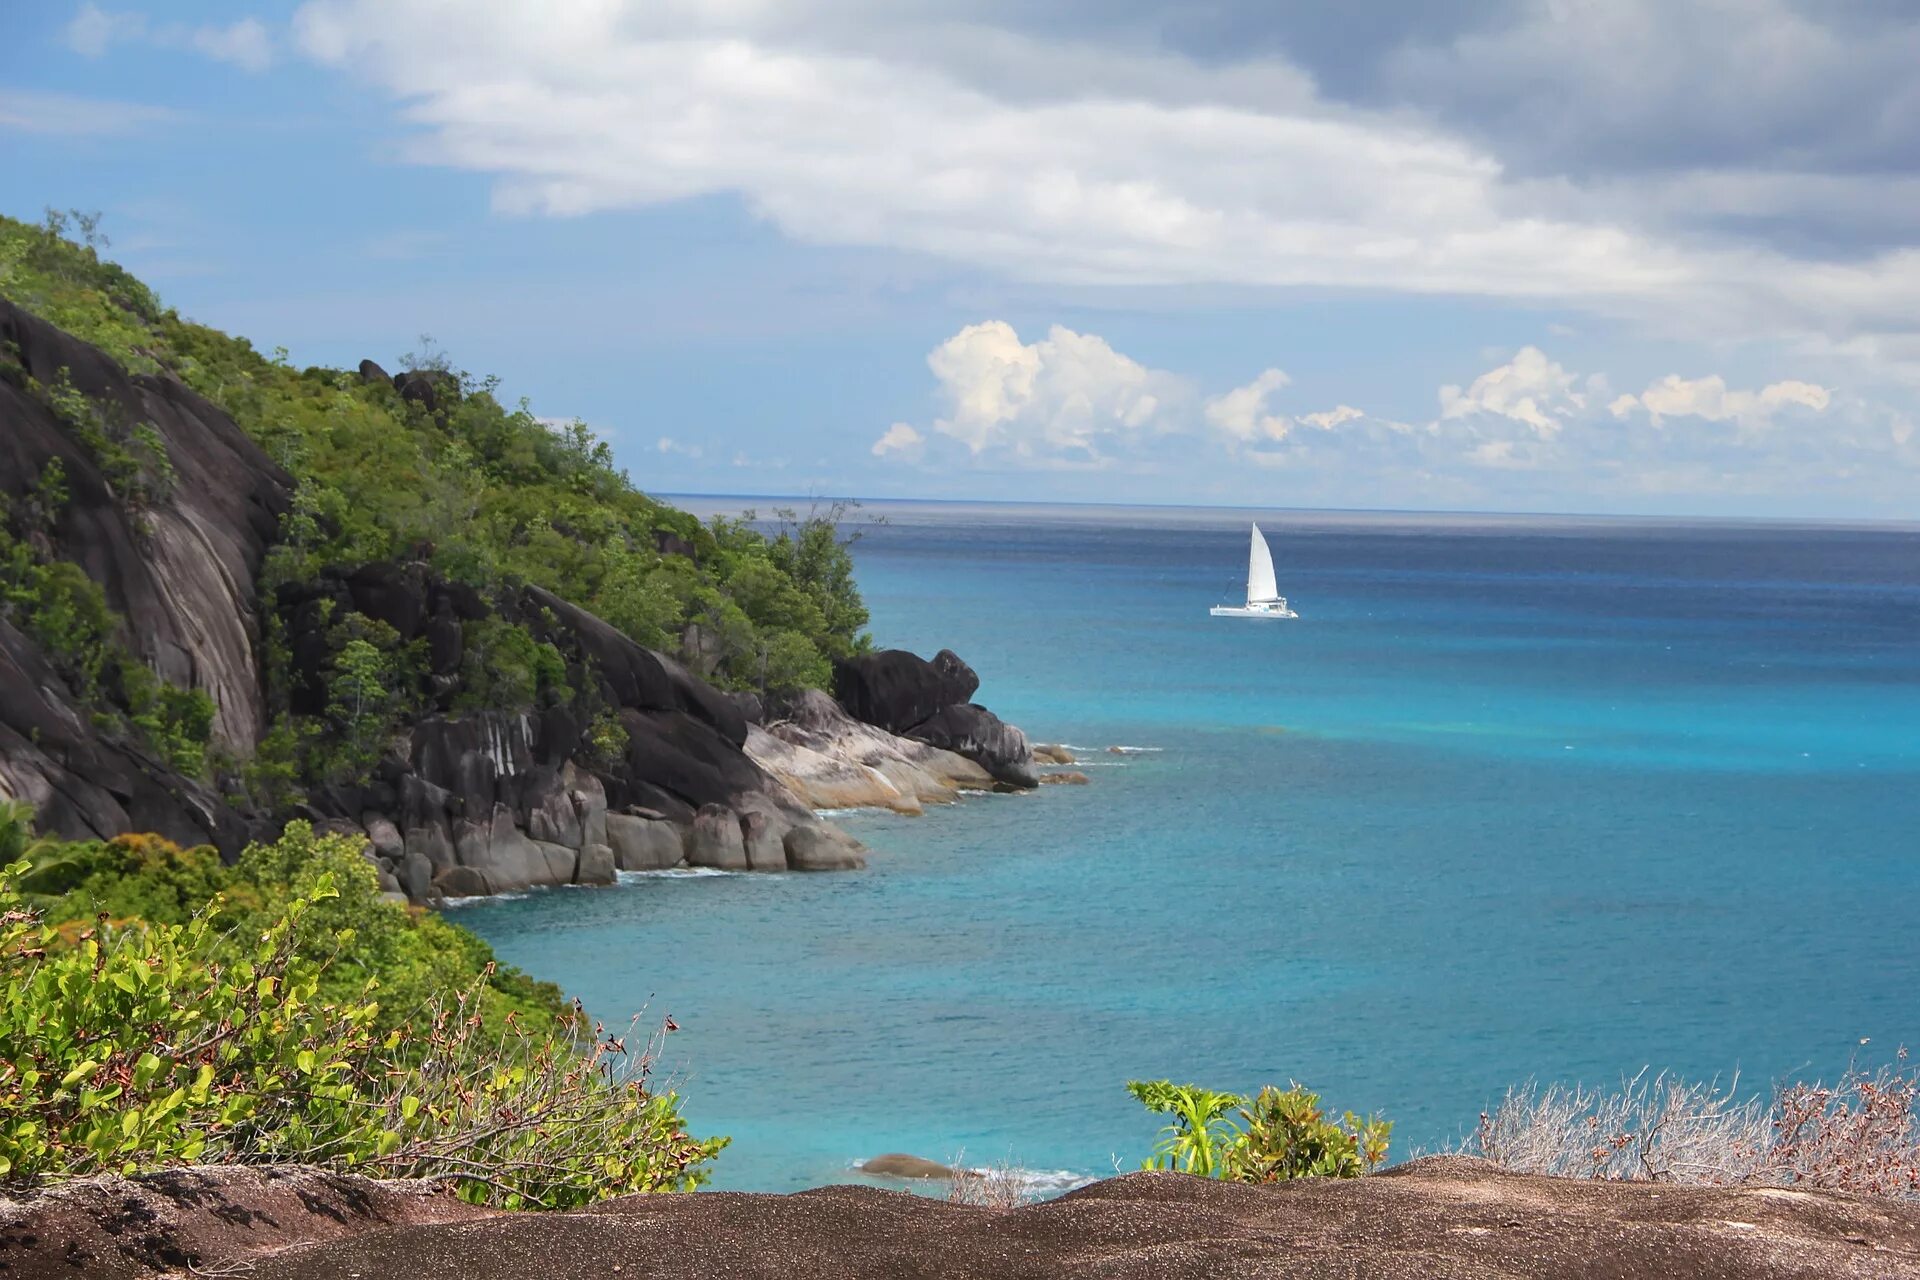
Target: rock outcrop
(640, 765)
(930, 702)
(1442, 1218)
(463, 801)
(832, 761)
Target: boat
(1263, 594)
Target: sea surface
(1514, 798)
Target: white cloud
(1045, 158)
(92, 30)
(1067, 394)
(1530, 389)
(1710, 398)
(899, 438)
(667, 444)
(1333, 417)
(1243, 413)
(244, 43)
(1526, 432)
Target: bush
(133, 1047)
(1275, 1136)
(1860, 1134)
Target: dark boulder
(372, 373)
(669, 543)
(432, 389)
(640, 678)
(981, 736)
(897, 690)
(395, 594)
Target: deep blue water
(1514, 798)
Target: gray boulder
(416, 876)
(462, 882)
(644, 844)
(764, 835)
(716, 840)
(818, 847)
(595, 865)
(387, 841)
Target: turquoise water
(1513, 798)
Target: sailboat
(1263, 593)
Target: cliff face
(640, 765)
(181, 572)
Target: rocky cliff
(639, 764)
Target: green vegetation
(486, 493)
(492, 494)
(1277, 1135)
(165, 1009)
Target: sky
(1635, 256)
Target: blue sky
(1562, 255)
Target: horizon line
(1904, 524)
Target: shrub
(1860, 1134)
(135, 1047)
(1272, 1137)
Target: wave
(479, 898)
(1043, 1183)
(674, 873)
(1133, 751)
(1038, 1184)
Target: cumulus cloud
(900, 438)
(1243, 414)
(1066, 394)
(245, 43)
(1328, 419)
(1710, 398)
(1516, 434)
(667, 444)
(1529, 389)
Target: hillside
(235, 593)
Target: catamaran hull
(1239, 611)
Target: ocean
(1515, 798)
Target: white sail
(1260, 583)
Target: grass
(1859, 1134)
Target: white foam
(1045, 1182)
(1038, 1183)
(674, 873)
(1133, 751)
(482, 897)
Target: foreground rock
(1441, 1218)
